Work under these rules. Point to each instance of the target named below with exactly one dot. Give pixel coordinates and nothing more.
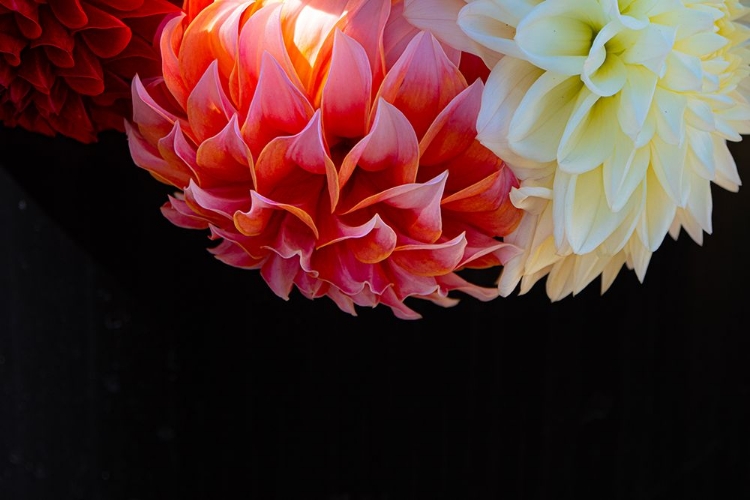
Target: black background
(133, 365)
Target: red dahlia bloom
(66, 65)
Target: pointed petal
(430, 259)
(254, 221)
(224, 158)
(454, 129)
(422, 82)
(278, 107)
(658, 215)
(589, 137)
(418, 208)
(390, 145)
(208, 107)
(539, 122)
(346, 95)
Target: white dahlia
(615, 117)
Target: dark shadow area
(135, 366)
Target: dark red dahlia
(66, 65)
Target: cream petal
(623, 172)
(440, 17)
(638, 258)
(669, 114)
(699, 115)
(588, 220)
(604, 74)
(635, 206)
(649, 47)
(684, 73)
(503, 92)
(625, 13)
(658, 215)
(702, 44)
(556, 35)
(540, 120)
(586, 268)
(560, 279)
(492, 25)
(513, 270)
(727, 176)
(687, 20)
(611, 269)
(635, 101)
(684, 220)
(589, 137)
(700, 203)
(667, 162)
(700, 154)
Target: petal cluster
(329, 145)
(66, 65)
(614, 115)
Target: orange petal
(371, 242)
(260, 38)
(305, 153)
(147, 156)
(455, 282)
(279, 274)
(422, 82)
(224, 158)
(179, 214)
(218, 205)
(431, 259)
(471, 166)
(254, 221)
(153, 120)
(390, 145)
(234, 255)
(365, 22)
(407, 284)
(177, 151)
(346, 94)
(278, 107)
(454, 129)
(199, 47)
(208, 107)
(416, 208)
(397, 34)
(337, 265)
(487, 194)
(169, 44)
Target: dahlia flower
(66, 65)
(615, 117)
(329, 145)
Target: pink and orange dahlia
(328, 144)
(66, 65)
